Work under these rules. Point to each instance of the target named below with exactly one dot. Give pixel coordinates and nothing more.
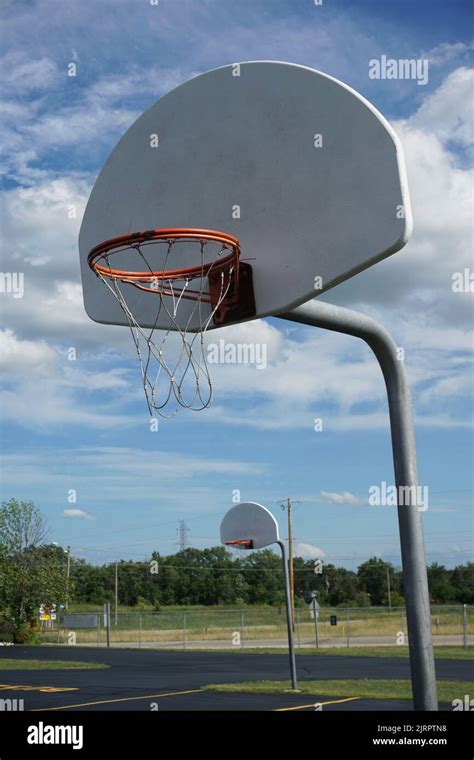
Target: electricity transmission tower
(182, 531)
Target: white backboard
(301, 168)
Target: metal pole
(241, 629)
(116, 591)
(338, 319)
(465, 628)
(388, 590)
(294, 683)
(107, 614)
(140, 630)
(68, 573)
(184, 630)
(347, 627)
(290, 561)
(315, 613)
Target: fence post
(241, 629)
(465, 628)
(107, 618)
(316, 613)
(347, 627)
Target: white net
(172, 376)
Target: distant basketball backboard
(249, 526)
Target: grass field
(362, 688)
(49, 665)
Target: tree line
(34, 571)
(216, 577)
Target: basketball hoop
(220, 285)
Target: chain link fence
(257, 627)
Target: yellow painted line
(305, 707)
(46, 689)
(121, 699)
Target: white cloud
(21, 73)
(308, 551)
(152, 81)
(459, 386)
(162, 464)
(110, 475)
(258, 331)
(78, 513)
(26, 356)
(447, 113)
(79, 125)
(42, 388)
(416, 283)
(37, 225)
(45, 406)
(342, 498)
(448, 51)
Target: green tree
(341, 586)
(462, 579)
(362, 599)
(263, 574)
(31, 572)
(372, 578)
(439, 583)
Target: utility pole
(388, 589)
(288, 505)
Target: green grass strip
(49, 665)
(362, 687)
(440, 653)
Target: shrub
(6, 631)
(24, 634)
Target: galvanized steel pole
(338, 319)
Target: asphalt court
(156, 680)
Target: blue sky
(83, 425)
